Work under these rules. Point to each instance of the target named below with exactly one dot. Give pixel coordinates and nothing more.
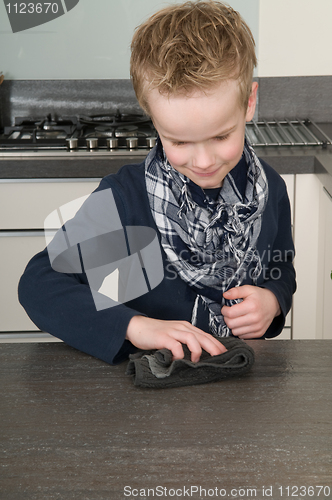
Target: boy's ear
(252, 102)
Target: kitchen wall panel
(91, 41)
(295, 38)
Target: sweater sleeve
(62, 304)
(279, 272)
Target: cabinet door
(327, 267)
(307, 246)
(24, 205)
(16, 249)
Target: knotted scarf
(210, 243)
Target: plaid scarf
(210, 243)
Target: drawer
(26, 204)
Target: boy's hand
(250, 318)
(147, 333)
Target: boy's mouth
(202, 173)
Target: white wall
(295, 38)
(91, 41)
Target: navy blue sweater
(62, 303)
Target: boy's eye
(222, 137)
(217, 138)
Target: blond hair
(191, 46)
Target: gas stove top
(116, 134)
(130, 134)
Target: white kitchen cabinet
(327, 278)
(24, 206)
(312, 304)
(306, 237)
(311, 205)
(16, 249)
(324, 292)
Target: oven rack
(285, 132)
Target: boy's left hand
(250, 318)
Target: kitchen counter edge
(288, 160)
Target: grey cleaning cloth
(156, 368)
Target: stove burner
(102, 132)
(51, 134)
(126, 131)
(49, 125)
(117, 120)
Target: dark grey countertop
(74, 427)
(285, 160)
(66, 166)
(301, 161)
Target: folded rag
(156, 368)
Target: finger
(175, 347)
(209, 343)
(212, 345)
(190, 340)
(204, 338)
(196, 340)
(251, 320)
(242, 328)
(237, 310)
(248, 329)
(201, 341)
(240, 332)
(238, 292)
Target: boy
(222, 217)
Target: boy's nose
(203, 157)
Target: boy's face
(203, 134)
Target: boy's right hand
(147, 333)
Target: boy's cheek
(175, 157)
(232, 151)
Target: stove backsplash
(38, 98)
(291, 97)
(296, 97)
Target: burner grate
(286, 133)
